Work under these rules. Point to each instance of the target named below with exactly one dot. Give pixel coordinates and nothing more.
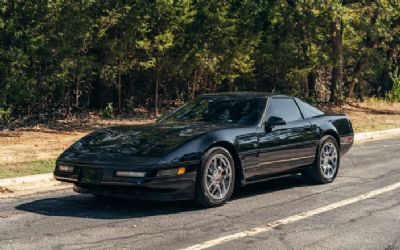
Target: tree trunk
(77, 87)
(384, 79)
(194, 84)
(369, 43)
(356, 75)
(312, 82)
(157, 83)
(337, 64)
(232, 86)
(88, 98)
(119, 93)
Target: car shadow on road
(88, 206)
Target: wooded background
(67, 56)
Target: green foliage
(62, 55)
(394, 93)
(108, 112)
(5, 115)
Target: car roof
(239, 94)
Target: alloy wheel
(218, 176)
(328, 160)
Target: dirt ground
(372, 115)
(26, 145)
(39, 143)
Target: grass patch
(26, 168)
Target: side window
(308, 110)
(285, 108)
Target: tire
(215, 178)
(326, 164)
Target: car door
(284, 147)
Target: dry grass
(27, 151)
(43, 143)
(371, 114)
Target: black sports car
(207, 147)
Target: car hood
(138, 145)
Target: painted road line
(291, 219)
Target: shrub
(5, 115)
(394, 93)
(108, 112)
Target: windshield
(225, 110)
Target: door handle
(308, 128)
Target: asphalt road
(65, 220)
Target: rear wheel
(216, 178)
(326, 164)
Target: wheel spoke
(326, 169)
(215, 188)
(330, 169)
(223, 186)
(220, 191)
(226, 176)
(215, 166)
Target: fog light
(64, 168)
(130, 174)
(170, 172)
(166, 172)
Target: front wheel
(216, 178)
(326, 164)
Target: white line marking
(293, 218)
(390, 145)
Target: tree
(64, 56)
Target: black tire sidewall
(202, 195)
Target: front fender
(196, 147)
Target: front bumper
(150, 187)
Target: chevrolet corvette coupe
(208, 147)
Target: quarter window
(284, 108)
(308, 110)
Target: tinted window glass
(243, 111)
(308, 110)
(284, 108)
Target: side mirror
(272, 122)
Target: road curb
(376, 135)
(29, 184)
(26, 179)
(46, 182)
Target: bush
(108, 112)
(5, 115)
(130, 104)
(394, 93)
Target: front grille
(90, 175)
